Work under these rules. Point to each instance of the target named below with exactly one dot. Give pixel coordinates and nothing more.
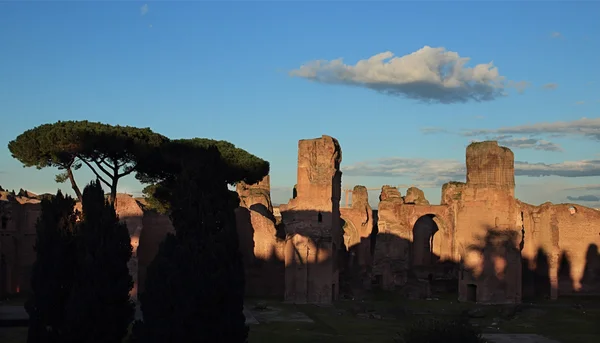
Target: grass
(568, 320)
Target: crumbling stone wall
(490, 166)
(486, 212)
(261, 245)
(17, 239)
(358, 226)
(564, 230)
(259, 193)
(415, 196)
(313, 216)
(397, 257)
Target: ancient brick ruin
(480, 242)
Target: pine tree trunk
(74, 184)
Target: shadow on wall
(156, 227)
(500, 273)
(537, 275)
(379, 261)
(265, 273)
(293, 260)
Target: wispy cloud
(579, 102)
(550, 86)
(525, 143)
(144, 9)
(432, 130)
(591, 198)
(520, 86)
(431, 75)
(437, 172)
(586, 127)
(556, 35)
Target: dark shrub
(441, 331)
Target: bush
(441, 331)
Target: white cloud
(579, 102)
(429, 74)
(144, 9)
(556, 35)
(550, 86)
(437, 172)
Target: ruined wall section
(563, 229)
(415, 196)
(358, 226)
(17, 239)
(313, 215)
(487, 212)
(391, 259)
(490, 166)
(259, 193)
(261, 245)
(394, 243)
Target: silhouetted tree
(195, 286)
(153, 198)
(53, 270)
(109, 151)
(99, 308)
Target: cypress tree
(100, 309)
(53, 271)
(195, 285)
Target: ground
(379, 317)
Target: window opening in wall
(333, 292)
(320, 217)
(472, 293)
(376, 281)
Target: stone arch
(351, 234)
(427, 233)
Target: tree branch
(125, 173)
(102, 168)
(95, 172)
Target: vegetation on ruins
(99, 307)
(53, 271)
(441, 331)
(195, 285)
(111, 152)
(80, 280)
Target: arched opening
(320, 217)
(424, 231)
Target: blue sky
(234, 71)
